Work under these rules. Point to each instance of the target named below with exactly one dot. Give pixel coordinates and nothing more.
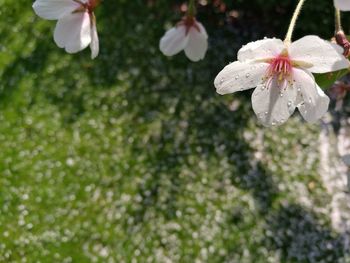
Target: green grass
(132, 157)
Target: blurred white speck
(70, 162)
(104, 252)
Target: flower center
(279, 72)
(89, 6)
(92, 4)
(281, 67)
(188, 22)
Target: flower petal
(54, 9)
(323, 55)
(73, 32)
(266, 48)
(343, 5)
(239, 76)
(174, 41)
(274, 103)
(197, 43)
(312, 101)
(94, 45)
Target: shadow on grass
(297, 234)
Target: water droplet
(247, 75)
(236, 77)
(289, 103)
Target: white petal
(343, 5)
(312, 101)
(73, 32)
(54, 9)
(94, 45)
(239, 76)
(266, 48)
(323, 55)
(274, 103)
(197, 43)
(174, 41)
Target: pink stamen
(281, 65)
(279, 72)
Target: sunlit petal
(240, 76)
(73, 32)
(54, 9)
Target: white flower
(282, 76)
(76, 26)
(343, 5)
(188, 35)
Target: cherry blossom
(188, 35)
(343, 5)
(76, 25)
(281, 73)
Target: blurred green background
(133, 157)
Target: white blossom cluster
(281, 71)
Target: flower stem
(288, 38)
(191, 8)
(338, 26)
(340, 37)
